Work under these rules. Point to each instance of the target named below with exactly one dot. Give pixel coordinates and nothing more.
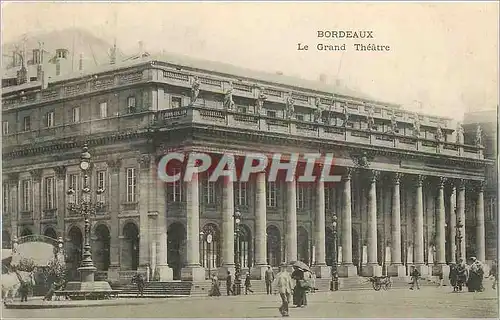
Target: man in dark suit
(269, 277)
(229, 283)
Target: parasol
(301, 265)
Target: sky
(443, 57)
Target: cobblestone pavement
(429, 302)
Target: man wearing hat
(283, 284)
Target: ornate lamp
(237, 280)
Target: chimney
(22, 75)
(80, 62)
(112, 56)
(322, 78)
(58, 67)
(40, 76)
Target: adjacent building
(407, 178)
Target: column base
(258, 272)
(222, 272)
(113, 274)
(442, 269)
(347, 270)
(193, 273)
(165, 273)
(423, 269)
(322, 271)
(396, 270)
(372, 270)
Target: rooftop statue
(318, 111)
(346, 114)
(289, 106)
(416, 125)
(195, 90)
(260, 100)
(369, 119)
(479, 136)
(394, 123)
(228, 98)
(439, 133)
(460, 134)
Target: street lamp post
(237, 280)
(85, 208)
(459, 237)
(335, 277)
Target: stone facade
(405, 179)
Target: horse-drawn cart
(378, 283)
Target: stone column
(372, 267)
(227, 229)
(112, 195)
(291, 230)
(322, 270)
(193, 270)
(480, 231)
(347, 269)
(145, 187)
(14, 196)
(440, 266)
(60, 198)
(396, 268)
(258, 271)
(418, 258)
(461, 215)
(453, 222)
(165, 273)
(37, 199)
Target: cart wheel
(376, 286)
(387, 285)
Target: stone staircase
(156, 289)
(201, 288)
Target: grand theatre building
(410, 193)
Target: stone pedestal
(165, 273)
(222, 272)
(396, 270)
(372, 270)
(323, 271)
(347, 270)
(87, 273)
(442, 269)
(113, 274)
(258, 272)
(193, 273)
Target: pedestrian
(229, 283)
(24, 291)
(248, 285)
(283, 284)
(301, 287)
(269, 278)
(415, 275)
(494, 274)
(148, 271)
(214, 290)
(476, 274)
(140, 283)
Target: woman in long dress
(476, 274)
(214, 290)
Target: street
(429, 302)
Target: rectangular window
(300, 117)
(49, 117)
(5, 128)
(131, 185)
(103, 109)
(101, 184)
(74, 185)
(176, 102)
(271, 194)
(302, 196)
(241, 194)
(242, 109)
(174, 189)
(208, 188)
(26, 184)
(27, 123)
(5, 198)
(75, 115)
(328, 198)
(271, 114)
(49, 193)
(131, 104)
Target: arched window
(210, 240)
(245, 249)
(273, 246)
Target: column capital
(144, 161)
(36, 174)
(396, 178)
(461, 184)
(451, 184)
(13, 177)
(419, 180)
(373, 175)
(60, 172)
(480, 185)
(441, 181)
(115, 164)
(348, 174)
